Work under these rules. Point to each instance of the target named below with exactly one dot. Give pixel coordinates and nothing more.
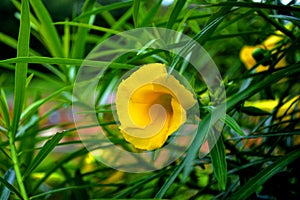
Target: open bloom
(151, 105)
(246, 53)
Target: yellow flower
(246, 53)
(269, 105)
(151, 106)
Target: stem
(15, 159)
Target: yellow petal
(178, 117)
(272, 40)
(246, 56)
(151, 106)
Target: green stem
(15, 159)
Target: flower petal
(151, 105)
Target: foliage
(257, 156)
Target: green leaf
(62, 161)
(218, 159)
(21, 68)
(151, 13)
(109, 7)
(251, 110)
(207, 122)
(34, 106)
(64, 61)
(88, 26)
(47, 30)
(285, 17)
(258, 85)
(29, 78)
(81, 34)
(175, 13)
(201, 38)
(254, 183)
(43, 153)
(229, 121)
(19, 89)
(255, 5)
(135, 13)
(4, 109)
(204, 127)
(6, 186)
(13, 43)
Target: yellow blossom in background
(270, 105)
(246, 53)
(151, 105)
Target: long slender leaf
(12, 42)
(175, 13)
(206, 124)
(119, 24)
(62, 161)
(43, 153)
(21, 68)
(203, 128)
(47, 29)
(149, 15)
(109, 7)
(80, 37)
(6, 186)
(34, 106)
(46, 77)
(34, 22)
(4, 108)
(261, 177)
(201, 38)
(253, 5)
(135, 13)
(259, 85)
(229, 121)
(64, 61)
(218, 159)
(19, 89)
(286, 17)
(88, 26)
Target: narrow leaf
(88, 26)
(152, 12)
(47, 29)
(6, 186)
(251, 110)
(64, 61)
(286, 17)
(259, 85)
(62, 161)
(218, 159)
(28, 80)
(21, 68)
(43, 153)
(175, 13)
(109, 7)
(261, 177)
(4, 108)
(229, 121)
(204, 127)
(80, 37)
(135, 13)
